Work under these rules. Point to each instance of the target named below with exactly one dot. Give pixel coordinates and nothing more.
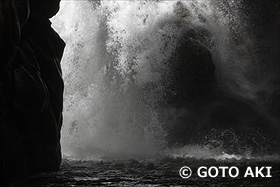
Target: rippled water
(153, 172)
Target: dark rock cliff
(31, 88)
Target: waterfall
(116, 68)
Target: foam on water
(206, 153)
(116, 48)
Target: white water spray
(116, 48)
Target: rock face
(198, 107)
(193, 84)
(193, 69)
(31, 88)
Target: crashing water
(117, 49)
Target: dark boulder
(193, 82)
(197, 105)
(193, 70)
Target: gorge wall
(31, 88)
